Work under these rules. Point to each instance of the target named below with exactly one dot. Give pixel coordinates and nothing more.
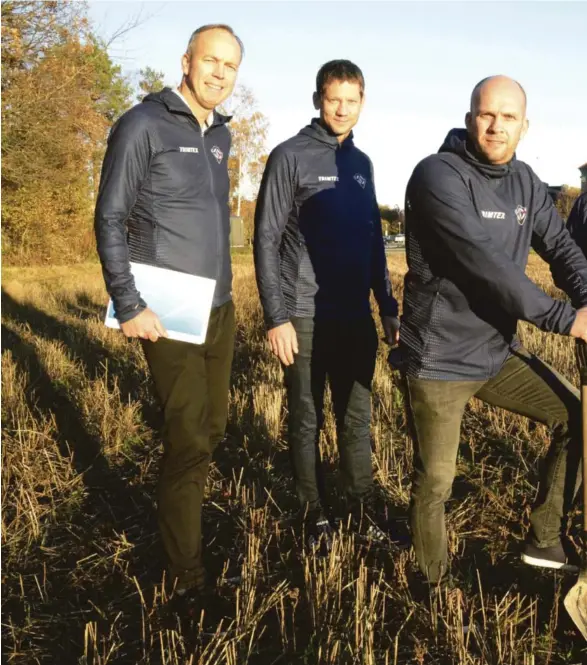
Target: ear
(362, 100)
(525, 126)
(316, 101)
(185, 64)
(468, 121)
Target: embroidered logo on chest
(360, 179)
(215, 150)
(521, 214)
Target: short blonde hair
(215, 26)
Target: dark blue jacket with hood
(469, 230)
(163, 199)
(318, 243)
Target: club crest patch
(360, 179)
(215, 150)
(521, 214)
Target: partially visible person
(163, 201)
(577, 227)
(473, 212)
(577, 222)
(319, 253)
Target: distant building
(554, 191)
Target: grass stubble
(82, 569)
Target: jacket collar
(457, 141)
(316, 131)
(175, 103)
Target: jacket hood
(175, 104)
(319, 133)
(458, 142)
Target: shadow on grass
(81, 591)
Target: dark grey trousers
(343, 352)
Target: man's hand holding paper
(145, 325)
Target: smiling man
(473, 211)
(163, 201)
(318, 254)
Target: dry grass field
(82, 576)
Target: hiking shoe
(318, 534)
(548, 557)
(365, 525)
(377, 532)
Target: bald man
(473, 211)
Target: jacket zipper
(216, 205)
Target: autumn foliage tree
(392, 219)
(60, 94)
(248, 157)
(150, 80)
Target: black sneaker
(318, 534)
(553, 557)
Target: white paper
(181, 301)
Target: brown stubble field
(81, 569)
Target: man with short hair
(163, 201)
(473, 211)
(318, 253)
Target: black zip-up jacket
(163, 199)
(577, 222)
(318, 244)
(470, 227)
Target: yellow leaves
(59, 93)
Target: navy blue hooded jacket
(318, 243)
(469, 230)
(163, 199)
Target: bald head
(493, 83)
(497, 119)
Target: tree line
(61, 93)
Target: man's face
(497, 120)
(340, 106)
(211, 68)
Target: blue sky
(420, 60)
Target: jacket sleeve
(125, 167)
(554, 244)
(440, 201)
(380, 281)
(274, 203)
(577, 222)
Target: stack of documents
(181, 301)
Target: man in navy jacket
(318, 254)
(163, 201)
(577, 222)
(473, 211)
(577, 227)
